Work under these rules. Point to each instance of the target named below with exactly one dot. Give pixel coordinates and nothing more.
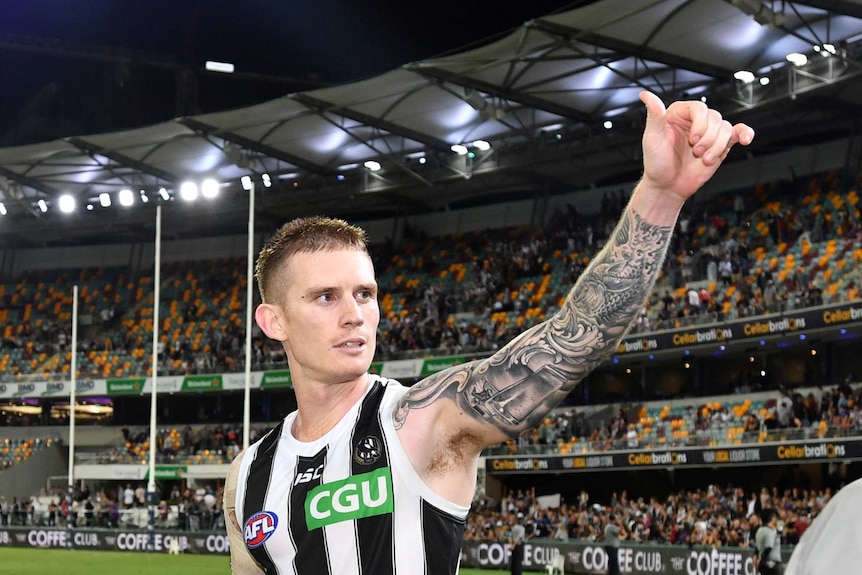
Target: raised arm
(514, 389)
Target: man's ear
(267, 318)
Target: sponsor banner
(49, 389)
(402, 368)
(847, 449)
(834, 315)
(279, 378)
(169, 472)
(56, 388)
(128, 471)
(436, 364)
(102, 540)
(236, 381)
(26, 389)
(584, 557)
(125, 386)
(201, 383)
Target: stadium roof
(540, 96)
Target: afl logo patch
(368, 450)
(259, 528)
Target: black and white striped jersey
(349, 503)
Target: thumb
(654, 106)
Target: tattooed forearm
(516, 387)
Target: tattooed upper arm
(515, 388)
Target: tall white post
(73, 383)
(151, 484)
(246, 403)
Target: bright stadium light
(209, 188)
(43, 207)
(267, 181)
(744, 76)
(459, 149)
(223, 67)
(163, 193)
(372, 165)
(483, 145)
(189, 191)
(246, 183)
(2, 209)
(67, 203)
(127, 198)
(105, 200)
(797, 58)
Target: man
(368, 476)
(516, 544)
(767, 542)
(612, 544)
(830, 545)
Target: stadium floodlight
(163, 193)
(797, 58)
(744, 76)
(825, 50)
(459, 149)
(127, 198)
(209, 188)
(246, 183)
(223, 67)
(267, 181)
(105, 200)
(482, 145)
(2, 209)
(608, 124)
(43, 207)
(67, 203)
(372, 165)
(189, 191)
(144, 197)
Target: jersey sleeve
(831, 543)
(241, 561)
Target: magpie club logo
(368, 450)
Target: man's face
(328, 307)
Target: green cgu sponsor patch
(363, 495)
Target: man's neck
(321, 406)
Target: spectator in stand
(725, 270)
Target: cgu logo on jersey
(259, 528)
(363, 495)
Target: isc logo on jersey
(259, 528)
(362, 495)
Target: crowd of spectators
(206, 443)
(716, 516)
(118, 505)
(471, 292)
(804, 413)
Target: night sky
(77, 86)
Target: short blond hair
(311, 234)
